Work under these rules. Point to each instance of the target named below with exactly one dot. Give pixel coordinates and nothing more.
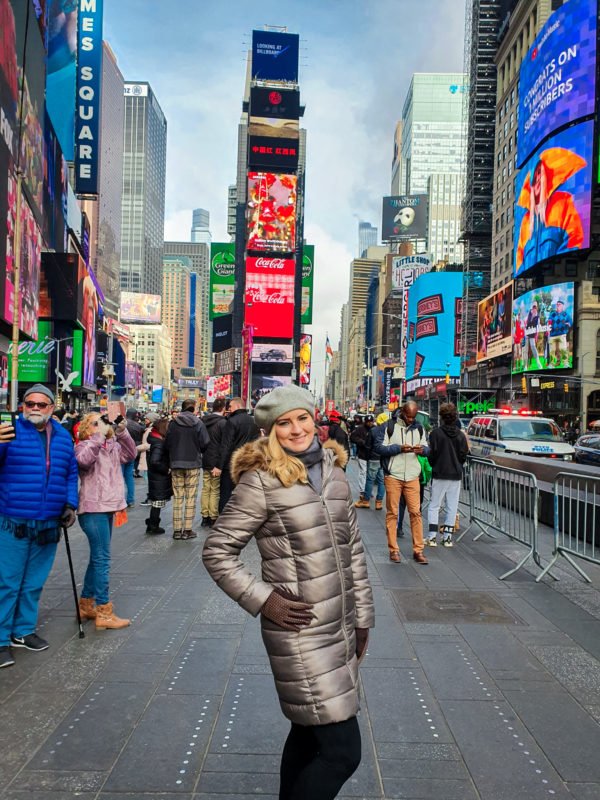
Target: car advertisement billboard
(270, 296)
(434, 325)
(542, 329)
(222, 278)
(281, 353)
(553, 198)
(494, 321)
(137, 307)
(308, 276)
(558, 75)
(305, 358)
(404, 217)
(271, 212)
(264, 152)
(275, 56)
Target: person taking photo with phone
(38, 496)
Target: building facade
(200, 233)
(197, 255)
(176, 309)
(143, 196)
(367, 237)
(445, 192)
(150, 347)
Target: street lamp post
(582, 403)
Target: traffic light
(523, 384)
(566, 387)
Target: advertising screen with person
(542, 329)
(553, 198)
(494, 318)
(271, 212)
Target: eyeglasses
(42, 406)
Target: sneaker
(448, 542)
(430, 543)
(6, 660)
(31, 642)
(146, 502)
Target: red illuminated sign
(270, 296)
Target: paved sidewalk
(473, 687)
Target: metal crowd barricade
(503, 500)
(576, 520)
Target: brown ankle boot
(363, 502)
(87, 609)
(105, 618)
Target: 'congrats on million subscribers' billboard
(553, 198)
(558, 75)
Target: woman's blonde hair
(86, 429)
(282, 465)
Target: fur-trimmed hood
(253, 456)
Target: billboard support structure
(14, 371)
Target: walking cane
(68, 546)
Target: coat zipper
(339, 566)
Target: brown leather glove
(287, 610)
(362, 639)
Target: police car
(527, 433)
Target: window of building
(509, 168)
(497, 224)
(510, 142)
(512, 102)
(506, 128)
(598, 352)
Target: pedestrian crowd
(277, 476)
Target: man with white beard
(38, 495)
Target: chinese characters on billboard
(494, 320)
(271, 212)
(305, 358)
(272, 153)
(140, 307)
(542, 329)
(404, 217)
(222, 278)
(553, 198)
(275, 56)
(434, 324)
(270, 296)
(558, 75)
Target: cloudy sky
(356, 61)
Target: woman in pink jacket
(100, 452)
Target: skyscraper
(197, 256)
(367, 236)
(104, 212)
(143, 204)
(176, 310)
(200, 226)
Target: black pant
(226, 487)
(318, 759)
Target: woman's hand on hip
(287, 610)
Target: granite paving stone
(428, 789)
(201, 666)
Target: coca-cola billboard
(270, 296)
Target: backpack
(323, 433)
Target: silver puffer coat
(311, 546)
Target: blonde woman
(100, 452)
(314, 595)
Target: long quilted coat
(311, 546)
(27, 489)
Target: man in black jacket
(185, 442)
(240, 429)
(448, 450)
(130, 470)
(336, 432)
(359, 437)
(211, 480)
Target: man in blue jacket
(38, 495)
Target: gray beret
(39, 388)
(152, 417)
(281, 400)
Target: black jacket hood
(210, 420)
(187, 419)
(450, 430)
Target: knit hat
(39, 388)
(281, 400)
(152, 417)
(334, 415)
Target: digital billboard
(558, 75)
(263, 384)
(61, 75)
(89, 85)
(275, 103)
(494, 321)
(406, 269)
(305, 358)
(88, 310)
(434, 324)
(56, 177)
(222, 278)
(553, 198)
(30, 258)
(542, 329)
(277, 353)
(308, 276)
(271, 212)
(404, 217)
(275, 56)
(272, 153)
(270, 296)
(140, 307)
(222, 333)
